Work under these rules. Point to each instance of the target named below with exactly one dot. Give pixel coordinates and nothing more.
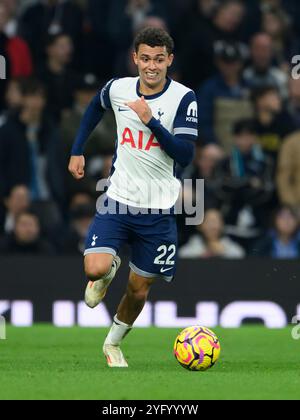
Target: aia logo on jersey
(192, 113)
(139, 142)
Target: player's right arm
(90, 120)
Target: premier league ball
(197, 348)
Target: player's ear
(134, 56)
(170, 60)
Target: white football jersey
(143, 175)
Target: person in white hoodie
(209, 240)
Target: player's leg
(106, 234)
(100, 270)
(153, 257)
(135, 298)
(129, 309)
(97, 265)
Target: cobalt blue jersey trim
(156, 95)
(104, 95)
(186, 119)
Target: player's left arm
(90, 120)
(181, 145)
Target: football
(197, 348)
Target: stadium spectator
(125, 17)
(203, 167)
(261, 71)
(11, 28)
(272, 120)
(48, 18)
(205, 8)
(283, 240)
(288, 172)
(56, 75)
(205, 162)
(196, 52)
(224, 98)
(13, 95)
(292, 8)
(294, 101)
(115, 47)
(16, 48)
(277, 24)
(26, 238)
(209, 241)
(13, 98)
(244, 184)
(30, 149)
(183, 14)
(96, 38)
(16, 53)
(17, 202)
(252, 21)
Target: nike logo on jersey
(163, 270)
(123, 109)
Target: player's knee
(95, 269)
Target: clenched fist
(76, 166)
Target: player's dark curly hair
(154, 37)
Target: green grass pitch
(44, 362)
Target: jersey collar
(156, 95)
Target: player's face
(152, 63)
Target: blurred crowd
(239, 58)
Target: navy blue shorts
(152, 238)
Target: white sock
(117, 332)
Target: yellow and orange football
(197, 348)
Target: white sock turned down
(118, 331)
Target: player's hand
(142, 109)
(76, 166)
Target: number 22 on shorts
(163, 258)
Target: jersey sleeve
(105, 97)
(180, 144)
(186, 119)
